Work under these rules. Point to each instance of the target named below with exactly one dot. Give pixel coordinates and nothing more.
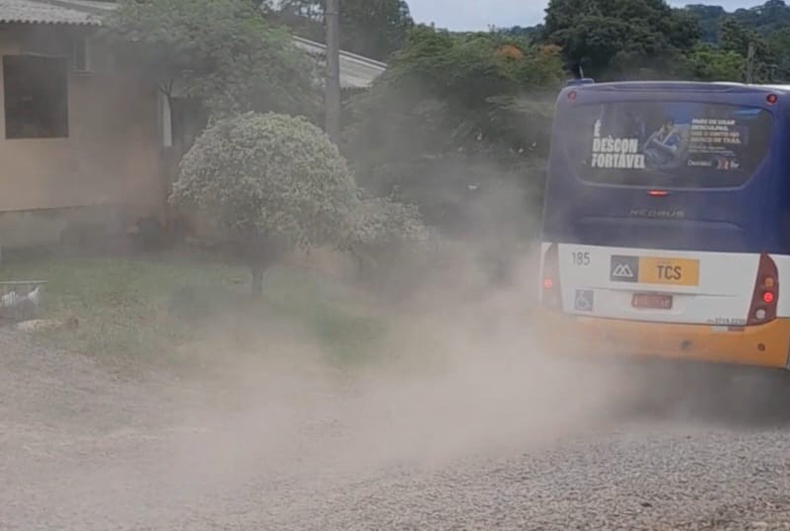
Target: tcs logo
(671, 273)
(655, 270)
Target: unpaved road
(79, 450)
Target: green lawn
(149, 310)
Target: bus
(666, 223)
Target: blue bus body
(666, 222)
(751, 217)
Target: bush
(268, 183)
(382, 230)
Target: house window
(36, 96)
(82, 58)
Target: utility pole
(332, 20)
(750, 64)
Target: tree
(374, 28)
(709, 19)
(268, 183)
(638, 39)
(610, 39)
(778, 55)
(455, 117)
(222, 52)
(771, 56)
(764, 20)
(773, 15)
(531, 33)
(709, 63)
(735, 37)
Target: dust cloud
(459, 375)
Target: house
(83, 141)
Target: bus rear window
(667, 144)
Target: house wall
(110, 158)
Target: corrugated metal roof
(356, 71)
(50, 12)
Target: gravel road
(81, 450)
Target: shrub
(268, 183)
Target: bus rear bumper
(760, 346)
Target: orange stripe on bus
(764, 345)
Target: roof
(74, 12)
(356, 71)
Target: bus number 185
(581, 259)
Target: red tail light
(766, 293)
(551, 296)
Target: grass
(140, 311)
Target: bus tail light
(551, 294)
(766, 292)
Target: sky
(479, 14)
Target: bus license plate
(651, 301)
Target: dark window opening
(36, 96)
(81, 55)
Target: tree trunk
(257, 280)
(260, 253)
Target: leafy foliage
(270, 182)
(610, 39)
(770, 57)
(381, 224)
(453, 115)
(632, 39)
(773, 15)
(271, 176)
(373, 28)
(384, 234)
(531, 33)
(222, 52)
(766, 27)
(447, 93)
(709, 19)
(709, 63)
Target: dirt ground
(489, 444)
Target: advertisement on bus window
(653, 143)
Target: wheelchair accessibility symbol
(584, 300)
